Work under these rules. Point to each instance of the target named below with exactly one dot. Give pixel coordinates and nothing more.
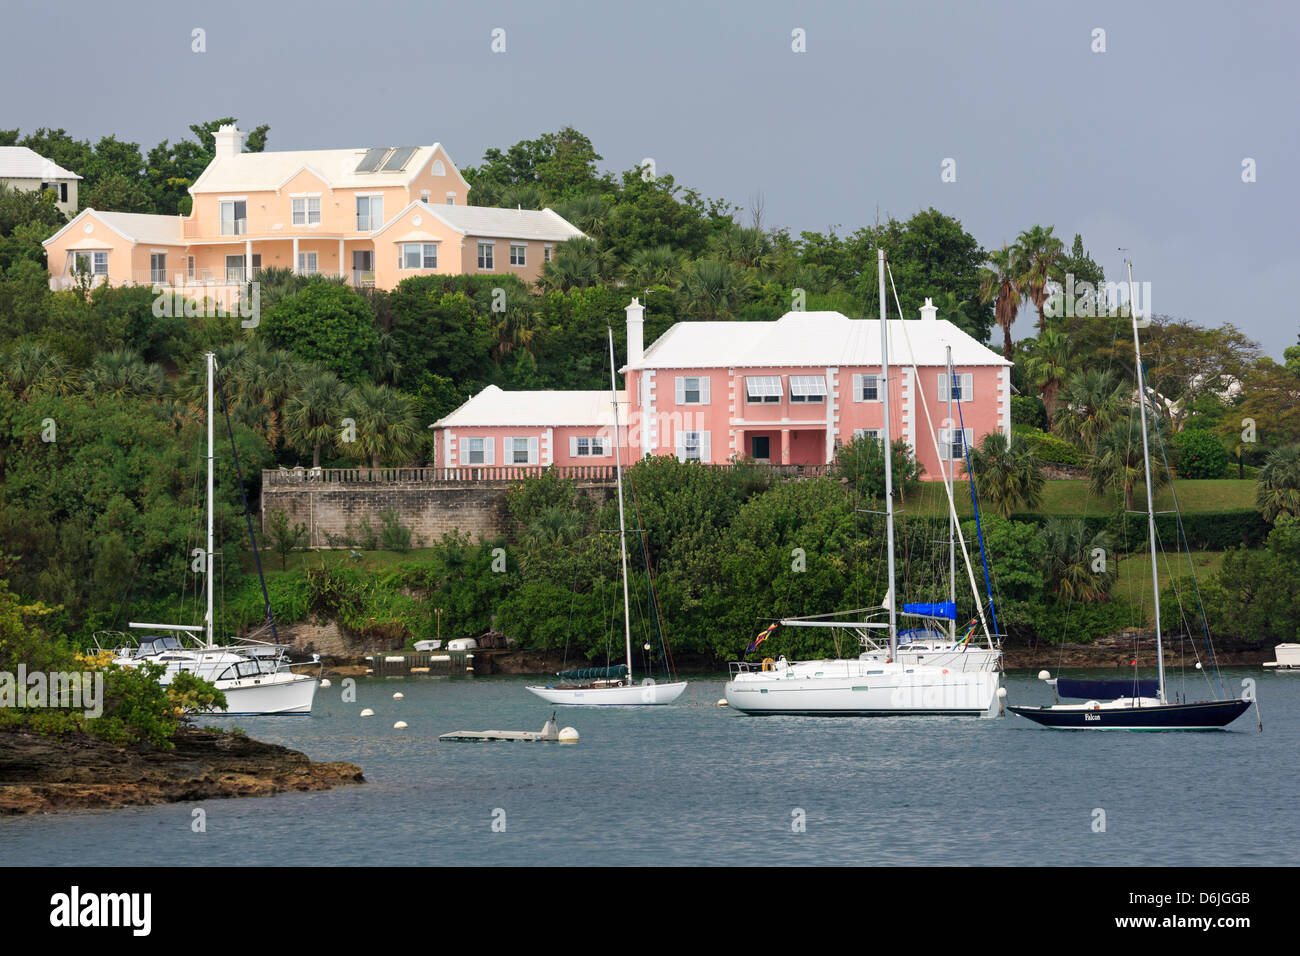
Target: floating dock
(401, 663)
(548, 734)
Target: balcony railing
(203, 279)
(285, 477)
(234, 227)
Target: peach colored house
(788, 392)
(373, 216)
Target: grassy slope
(1070, 497)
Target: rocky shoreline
(42, 774)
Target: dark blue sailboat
(1135, 704)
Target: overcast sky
(1138, 147)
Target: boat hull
(635, 695)
(1206, 715)
(281, 698)
(937, 693)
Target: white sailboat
(255, 676)
(934, 674)
(614, 690)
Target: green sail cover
(594, 673)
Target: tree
(1007, 474)
(1000, 285)
(1040, 256)
(861, 463)
(386, 426)
(561, 165)
(1048, 368)
(1077, 566)
(713, 290)
(313, 415)
(1091, 402)
(1200, 454)
(1116, 461)
(1277, 491)
(327, 323)
(285, 538)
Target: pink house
(788, 392)
(372, 216)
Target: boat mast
(1146, 463)
(622, 529)
(889, 460)
(952, 531)
(208, 556)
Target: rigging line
(934, 436)
(974, 500)
(248, 518)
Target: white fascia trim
(447, 156)
(232, 199)
(324, 182)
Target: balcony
(234, 227)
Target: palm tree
(1048, 367)
(313, 416)
(1069, 561)
(265, 380)
(954, 311)
(516, 330)
(1278, 489)
(656, 265)
(386, 424)
(1116, 460)
(575, 265)
(1091, 402)
(714, 290)
(586, 212)
(29, 368)
(120, 373)
(745, 246)
(1007, 473)
(1040, 255)
(1001, 286)
(524, 196)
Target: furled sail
(1106, 689)
(944, 609)
(594, 673)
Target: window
(95, 263)
(451, 199)
(807, 388)
(866, 388)
(189, 268)
(370, 213)
(760, 448)
(158, 267)
(963, 387)
(522, 451)
(480, 451)
(595, 446)
(425, 195)
(235, 268)
(234, 217)
(953, 443)
(546, 253)
(307, 263)
(306, 211)
(763, 389)
(485, 259)
(692, 390)
(416, 255)
(517, 253)
(693, 446)
(866, 433)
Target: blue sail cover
(594, 673)
(946, 610)
(1105, 689)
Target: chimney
(229, 141)
(635, 331)
(929, 311)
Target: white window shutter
(857, 388)
(943, 386)
(968, 437)
(532, 451)
(945, 444)
(489, 451)
(573, 446)
(705, 455)
(967, 387)
(679, 440)
(681, 390)
(704, 390)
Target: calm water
(699, 784)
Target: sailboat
(932, 675)
(612, 686)
(1133, 703)
(255, 676)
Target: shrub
(1200, 454)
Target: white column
(294, 267)
(341, 266)
(248, 260)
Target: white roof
(492, 407)
(19, 162)
(138, 227)
(812, 339)
(505, 223)
(338, 167)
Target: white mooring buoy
(367, 713)
(399, 696)
(568, 736)
(1002, 693)
(400, 725)
(1043, 675)
(325, 682)
(722, 702)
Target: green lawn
(370, 560)
(1133, 587)
(1071, 497)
